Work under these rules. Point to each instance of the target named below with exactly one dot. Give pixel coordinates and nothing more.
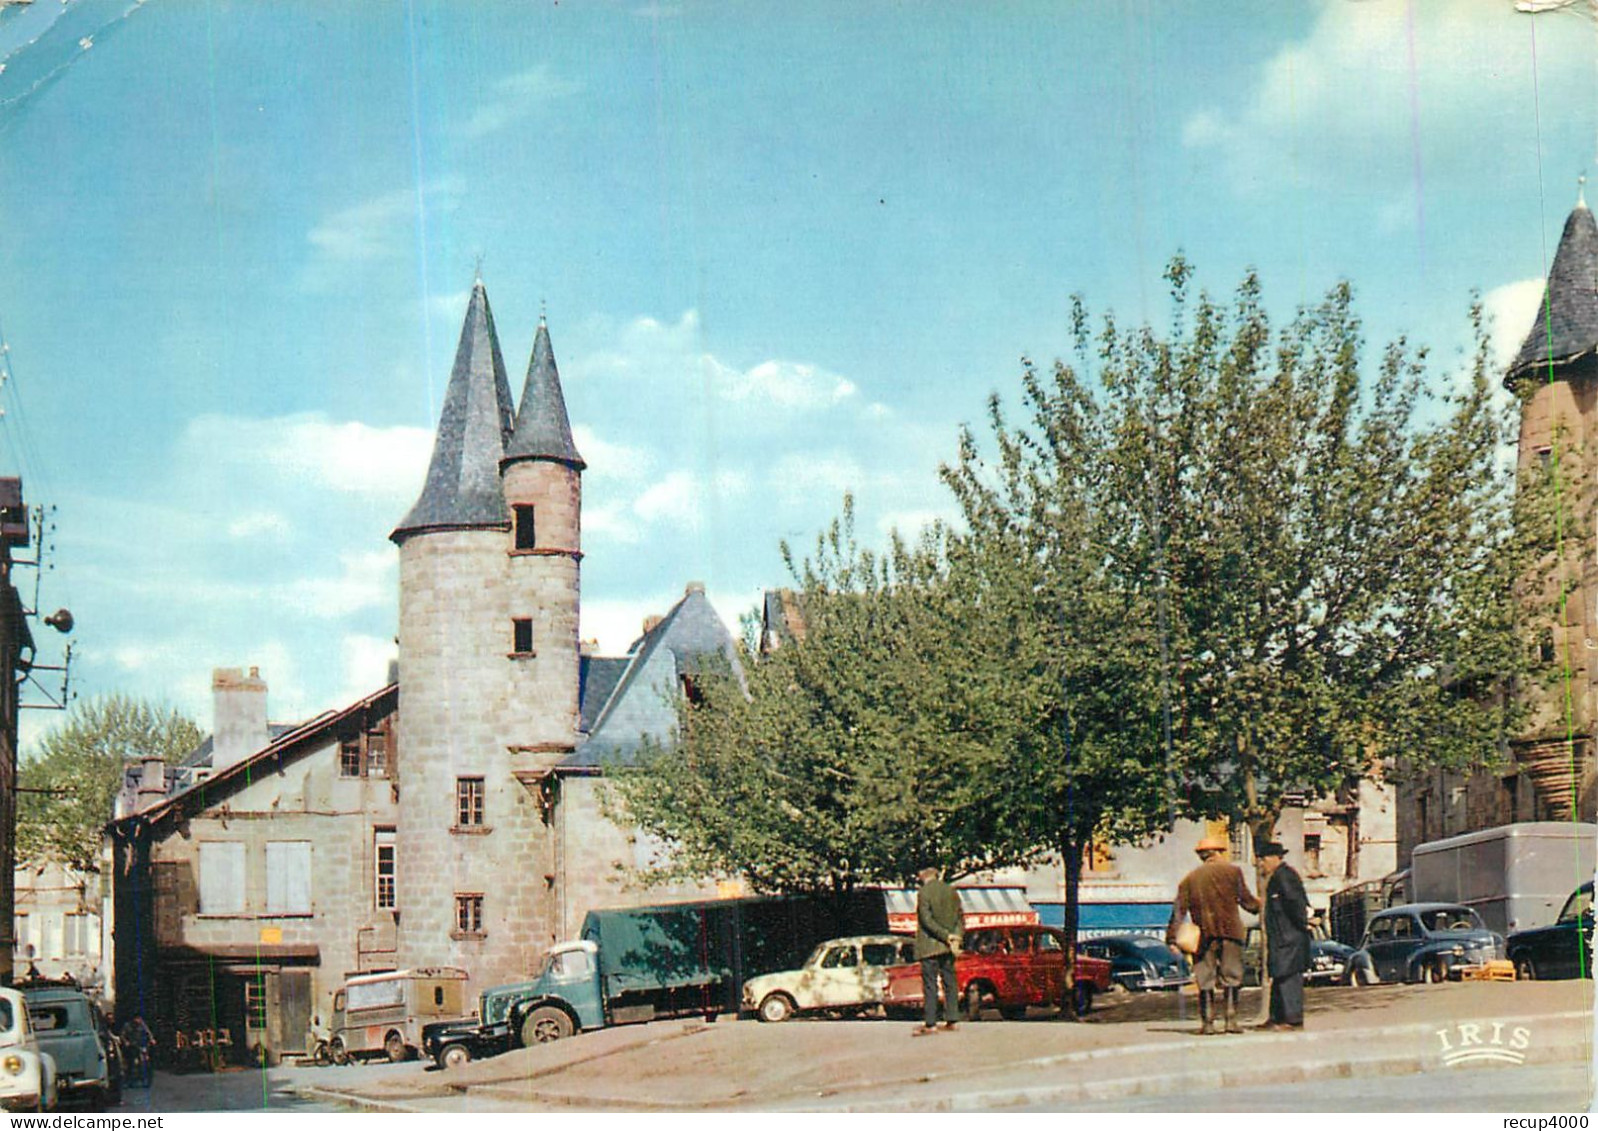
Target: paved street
(1535, 1090)
(240, 1090)
(1363, 1049)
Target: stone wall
(456, 718)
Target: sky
(785, 252)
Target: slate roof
(463, 490)
(681, 644)
(597, 678)
(1566, 329)
(542, 430)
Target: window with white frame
(78, 933)
(221, 877)
(288, 877)
(387, 896)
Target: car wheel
(454, 1056)
(776, 1007)
(1525, 969)
(338, 1052)
(973, 1002)
(545, 1024)
(394, 1048)
(1432, 974)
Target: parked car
(1139, 962)
(637, 964)
(1328, 959)
(384, 1014)
(1561, 950)
(1009, 968)
(1328, 962)
(1423, 942)
(27, 1072)
(68, 1027)
(840, 974)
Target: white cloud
(258, 524)
(683, 497)
(383, 464)
(611, 521)
(1406, 101)
(802, 476)
(622, 461)
(668, 355)
(785, 384)
(373, 230)
(367, 579)
(1511, 309)
(365, 660)
(518, 97)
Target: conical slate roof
(463, 486)
(542, 429)
(1566, 329)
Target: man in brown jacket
(1211, 895)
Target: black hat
(1271, 848)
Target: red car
(1008, 968)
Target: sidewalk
(1137, 1045)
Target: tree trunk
(1071, 849)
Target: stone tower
(488, 663)
(1556, 374)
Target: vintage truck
(1515, 877)
(639, 963)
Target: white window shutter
(288, 877)
(221, 878)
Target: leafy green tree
(1267, 577)
(877, 737)
(71, 779)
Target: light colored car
(840, 974)
(27, 1075)
(68, 1028)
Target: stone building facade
(1550, 774)
(246, 891)
(456, 817)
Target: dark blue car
(1562, 949)
(1139, 962)
(1423, 942)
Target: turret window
(526, 538)
(522, 636)
(468, 913)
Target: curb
(1092, 1091)
(1187, 1082)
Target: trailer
(1516, 877)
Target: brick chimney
(238, 716)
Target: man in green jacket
(940, 928)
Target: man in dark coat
(1211, 895)
(1287, 937)
(940, 928)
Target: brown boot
(1206, 1012)
(1232, 1024)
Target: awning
(1110, 918)
(982, 907)
(244, 952)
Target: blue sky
(785, 250)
